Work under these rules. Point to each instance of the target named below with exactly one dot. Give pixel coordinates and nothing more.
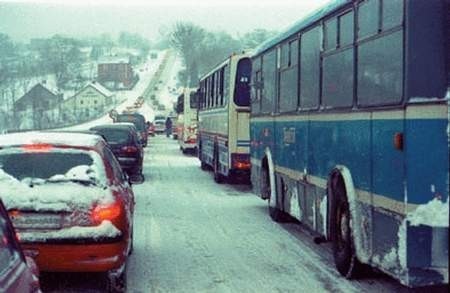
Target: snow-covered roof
(113, 59)
(55, 138)
(100, 88)
(96, 86)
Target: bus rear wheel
(266, 193)
(217, 176)
(344, 254)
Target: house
(38, 99)
(89, 101)
(115, 72)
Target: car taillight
(106, 212)
(191, 140)
(129, 149)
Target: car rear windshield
(65, 164)
(137, 120)
(115, 136)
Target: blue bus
(349, 132)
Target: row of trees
(202, 49)
(61, 55)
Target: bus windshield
(242, 88)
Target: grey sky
(29, 19)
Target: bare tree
(187, 38)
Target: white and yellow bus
(187, 120)
(224, 109)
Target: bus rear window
(242, 87)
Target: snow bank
(434, 214)
(105, 229)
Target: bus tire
(344, 254)
(217, 176)
(266, 191)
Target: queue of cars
(68, 201)
(69, 197)
(124, 143)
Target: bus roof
(301, 24)
(221, 64)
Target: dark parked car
(18, 273)
(124, 142)
(139, 121)
(69, 202)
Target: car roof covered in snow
(53, 138)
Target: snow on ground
(193, 235)
(128, 97)
(166, 97)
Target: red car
(69, 201)
(18, 273)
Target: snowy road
(193, 235)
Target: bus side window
(269, 72)
(380, 70)
(310, 69)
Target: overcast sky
(23, 20)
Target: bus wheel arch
(269, 189)
(342, 215)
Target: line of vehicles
(342, 122)
(68, 195)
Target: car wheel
(344, 254)
(116, 280)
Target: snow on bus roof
(60, 138)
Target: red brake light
(39, 147)
(106, 212)
(129, 149)
(241, 161)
